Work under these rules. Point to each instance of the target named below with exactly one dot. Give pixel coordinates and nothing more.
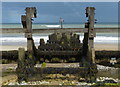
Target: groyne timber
(13, 54)
(52, 30)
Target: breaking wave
(18, 40)
(51, 26)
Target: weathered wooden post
(21, 54)
(27, 26)
(88, 44)
(26, 62)
(30, 13)
(89, 34)
(21, 64)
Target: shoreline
(51, 30)
(98, 47)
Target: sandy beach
(113, 47)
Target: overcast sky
(50, 12)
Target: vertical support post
(27, 25)
(28, 32)
(26, 67)
(91, 33)
(30, 13)
(21, 54)
(21, 65)
(88, 46)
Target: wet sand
(98, 47)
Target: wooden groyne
(52, 30)
(13, 55)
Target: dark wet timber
(13, 55)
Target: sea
(19, 39)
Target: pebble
(107, 78)
(101, 67)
